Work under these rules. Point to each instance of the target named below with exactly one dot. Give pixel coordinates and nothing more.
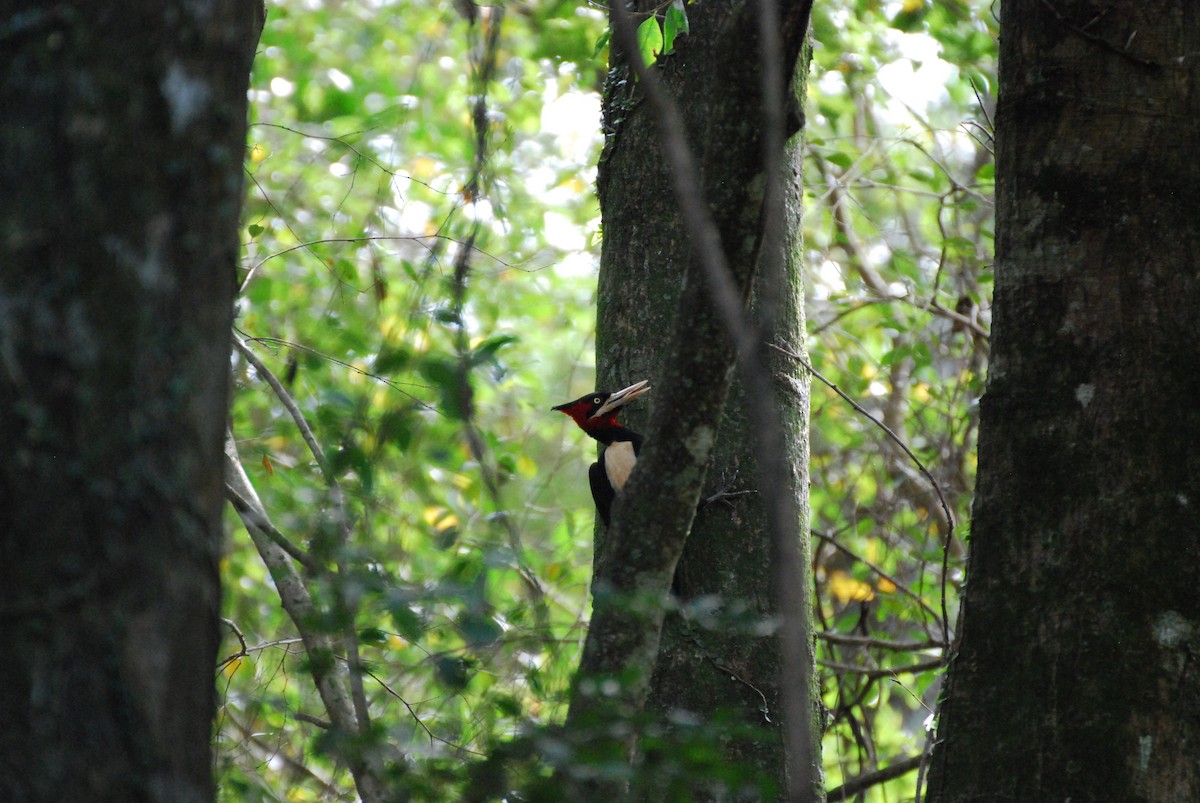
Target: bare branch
(858, 785)
(241, 637)
(884, 672)
(851, 640)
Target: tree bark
(121, 144)
(1076, 676)
(658, 319)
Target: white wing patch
(619, 460)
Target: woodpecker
(596, 414)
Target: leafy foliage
(418, 273)
(899, 241)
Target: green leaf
(675, 24)
(507, 705)
(407, 621)
(485, 352)
(254, 229)
(442, 372)
(372, 635)
(351, 457)
(392, 359)
(650, 40)
(345, 270)
(910, 21)
(602, 42)
(840, 159)
(479, 629)
(447, 315)
(396, 426)
(453, 672)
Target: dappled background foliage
(418, 272)
(899, 239)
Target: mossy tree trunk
(657, 320)
(121, 143)
(1076, 675)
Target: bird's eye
(597, 400)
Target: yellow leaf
(440, 518)
(266, 463)
(885, 586)
(845, 588)
(423, 167)
(230, 668)
(574, 183)
(912, 5)
(258, 153)
(299, 794)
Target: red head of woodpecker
(596, 414)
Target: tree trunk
(1076, 676)
(651, 287)
(713, 660)
(121, 143)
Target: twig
(850, 640)
(419, 239)
(274, 752)
(391, 383)
(432, 736)
(311, 720)
(338, 497)
(366, 157)
(884, 672)
(861, 783)
(765, 710)
(241, 637)
(983, 335)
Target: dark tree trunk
(121, 144)
(1076, 676)
(657, 321)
